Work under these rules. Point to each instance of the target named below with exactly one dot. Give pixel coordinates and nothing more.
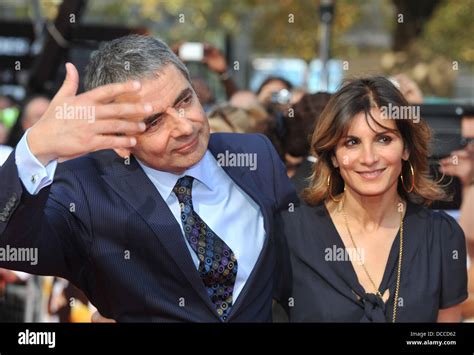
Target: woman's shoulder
(303, 220)
(305, 213)
(440, 223)
(303, 227)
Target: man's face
(177, 131)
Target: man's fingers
(71, 82)
(113, 142)
(109, 92)
(125, 127)
(124, 110)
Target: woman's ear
(406, 154)
(334, 161)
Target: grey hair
(128, 58)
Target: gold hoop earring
(330, 191)
(412, 178)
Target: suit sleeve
(284, 190)
(38, 233)
(283, 273)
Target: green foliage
(450, 31)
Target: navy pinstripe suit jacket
(103, 226)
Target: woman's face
(370, 157)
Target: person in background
(68, 304)
(297, 94)
(227, 118)
(460, 163)
(410, 90)
(244, 99)
(204, 93)
(275, 95)
(271, 86)
(300, 122)
(216, 62)
(8, 118)
(34, 107)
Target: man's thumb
(71, 82)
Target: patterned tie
(217, 262)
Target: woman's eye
(350, 142)
(385, 139)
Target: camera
(282, 97)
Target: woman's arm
(451, 314)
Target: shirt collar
(203, 171)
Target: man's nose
(181, 125)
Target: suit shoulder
(244, 141)
(82, 165)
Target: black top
(433, 274)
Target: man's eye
(187, 99)
(153, 123)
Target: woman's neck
(372, 211)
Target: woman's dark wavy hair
(354, 97)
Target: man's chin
(182, 163)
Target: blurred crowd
(284, 113)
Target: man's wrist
(34, 141)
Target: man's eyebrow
(180, 97)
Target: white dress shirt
(227, 210)
(225, 207)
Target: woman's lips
(371, 174)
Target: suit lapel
(131, 184)
(244, 178)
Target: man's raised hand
(75, 124)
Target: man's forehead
(160, 90)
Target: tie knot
(183, 188)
